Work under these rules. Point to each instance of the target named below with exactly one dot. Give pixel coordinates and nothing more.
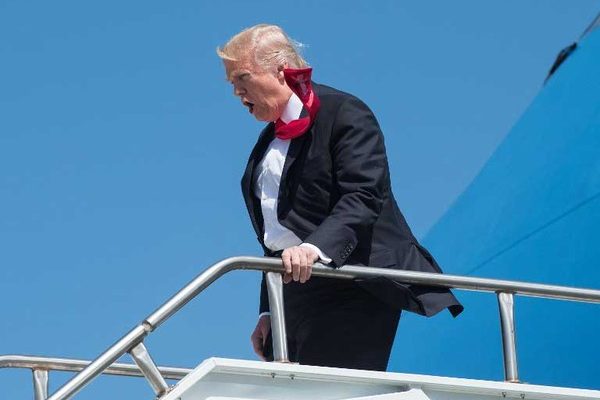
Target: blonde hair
(269, 44)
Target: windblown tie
(299, 81)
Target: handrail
(75, 365)
(41, 366)
(505, 290)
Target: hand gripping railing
(41, 366)
(132, 342)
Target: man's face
(264, 93)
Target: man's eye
(244, 77)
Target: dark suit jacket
(335, 193)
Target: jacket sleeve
(361, 178)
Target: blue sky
(121, 149)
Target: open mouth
(250, 106)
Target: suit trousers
(336, 323)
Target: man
(317, 187)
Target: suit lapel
(247, 188)
(252, 204)
(296, 147)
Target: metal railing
(132, 342)
(41, 367)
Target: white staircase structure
(225, 379)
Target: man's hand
(259, 336)
(298, 262)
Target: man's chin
(261, 118)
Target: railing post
(40, 384)
(509, 343)
(96, 367)
(142, 358)
(278, 332)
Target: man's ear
(280, 69)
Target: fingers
(304, 266)
(308, 273)
(259, 336)
(312, 258)
(258, 343)
(265, 328)
(297, 263)
(286, 257)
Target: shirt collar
(292, 109)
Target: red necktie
(299, 81)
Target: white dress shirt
(266, 188)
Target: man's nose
(238, 91)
